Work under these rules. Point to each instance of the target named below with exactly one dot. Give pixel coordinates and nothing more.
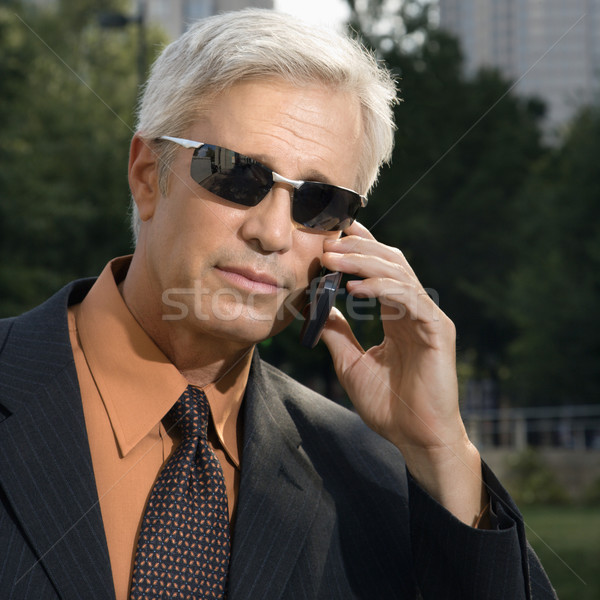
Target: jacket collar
(280, 495)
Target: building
(175, 15)
(550, 48)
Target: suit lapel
(280, 494)
(45, 464)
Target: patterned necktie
(183, 548)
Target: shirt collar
(136, 381)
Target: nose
(269, 224)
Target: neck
(200, 357)
(217, 371)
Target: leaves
(554, 290)
(68, 90)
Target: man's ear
(143, 176)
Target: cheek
(174, 246)
(193, 226)
(307, 261)
(310, 244)
(308, 257)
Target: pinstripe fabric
(50, 524)
(327, 502)
(503, 564)
(323, 511)
(455, 547)
(316, 507)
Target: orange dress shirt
(127, 387)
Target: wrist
(451, 475)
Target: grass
(567, 540)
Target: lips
(257, 281)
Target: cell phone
(317, 311)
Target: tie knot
(190, 413)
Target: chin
(257, 321)
(241, 336)
(243, 329)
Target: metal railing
(576, 427)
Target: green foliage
(591, 495)
(554, 291)
(567, 541)
(531, 481)
(67, 94)
(464, 149)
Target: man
(285, 494)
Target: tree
(464, 148)
(554, 291)
(67, 94)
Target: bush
(591, 496)
(531, 481)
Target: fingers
(398, 299)
(340, 341)
(386, 274)
(366, 257)
(358, 229)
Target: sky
(325, 12)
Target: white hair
(218, 52)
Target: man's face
(240, 272)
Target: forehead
(294, 129)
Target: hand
(406, 387)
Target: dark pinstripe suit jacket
(326, 509)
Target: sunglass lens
(230, 175)
(325, 207)
(243, 180)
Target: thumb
(341, 342)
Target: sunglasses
(243, 180)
